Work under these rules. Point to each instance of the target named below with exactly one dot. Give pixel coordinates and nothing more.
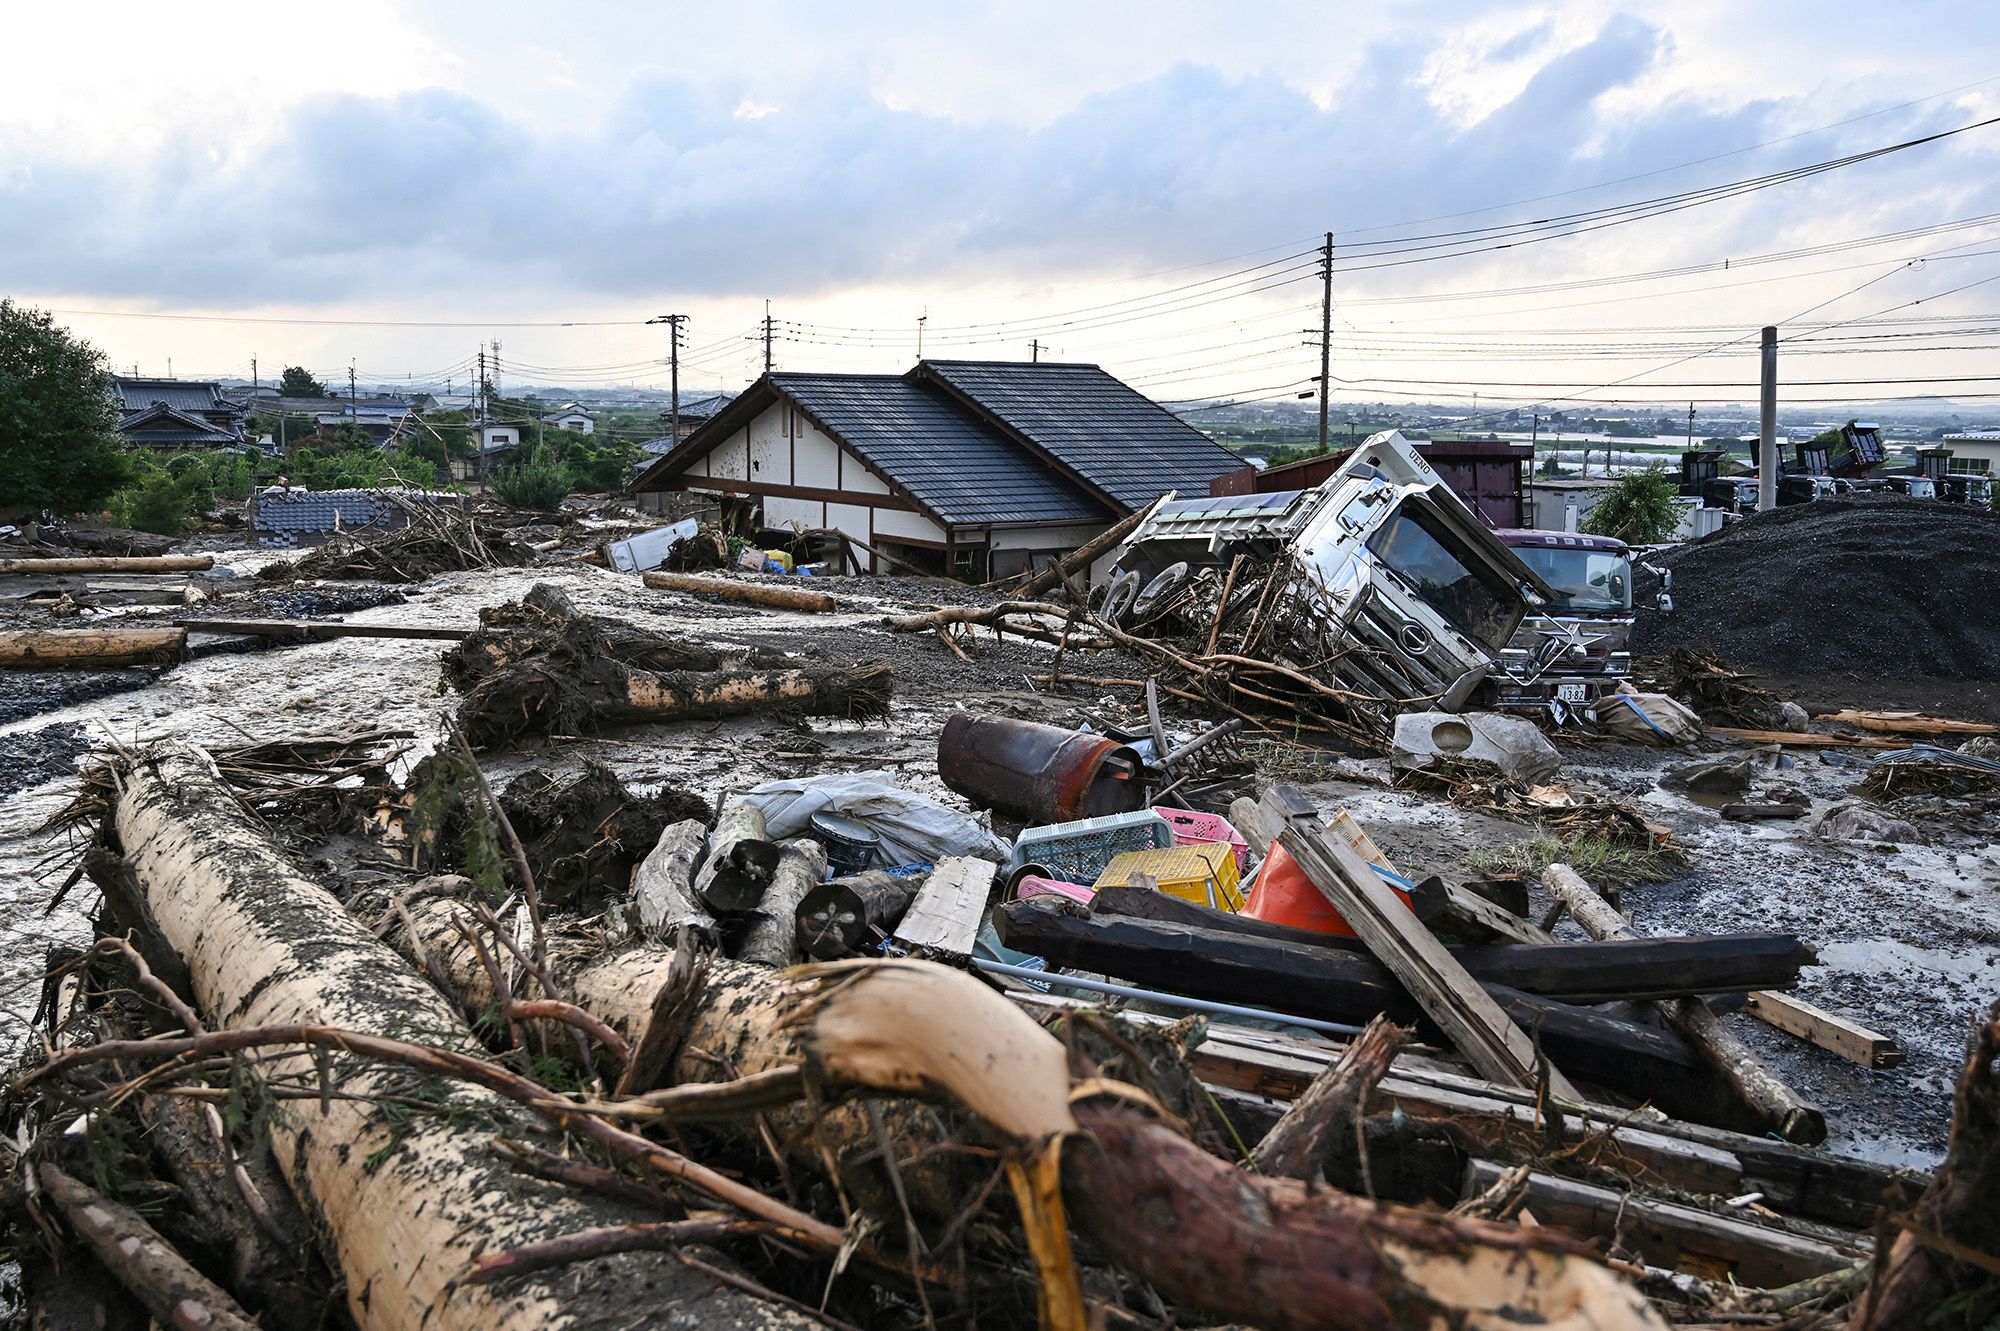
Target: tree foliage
(297, 381)
(59, 447)
(1639, 509)
(537, 484)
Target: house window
(1966, 466)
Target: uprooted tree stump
(540, 667)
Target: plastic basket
(1192, 828)
(1077, 852)
(1203, 873)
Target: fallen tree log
(772, 936)
(144, 1263)
(663, 897)
(751, 593)
(740, 861)
(408, 1203)
(110, 564)
(1777, 1105)
(1298, 1144)
(109, 648)
(837, 917)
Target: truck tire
(1160, 590)
(1119, 595)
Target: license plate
(1572, 693)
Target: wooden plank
(1672, 1236)
(944, 919)
(1909, 723)
(315, 629)
(1793, 737)
(1837, 1035)
(1453, 999)
(1478, 917)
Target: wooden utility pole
(1767, 427)
(673, 323)
(1325, 333)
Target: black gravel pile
(1880, 585)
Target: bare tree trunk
(144, 1263)
(663, 885)
(1318, 1122)
(740, 861)
(408, 1206)
(751, 593)
(1775, 1103)
(772, 939)
(110, 564)
(90, 649)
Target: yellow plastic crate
(1204, 873)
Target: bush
(1639, 509)
(538, 484)
(158, 503)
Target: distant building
(976, 468)
(385, 421)
(499, 442)
(177, 413)
(695, 412)
(572, 418)
(1973, 453)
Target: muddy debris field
(449, 929)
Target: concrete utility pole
(922, 319)
(479, 392)
(353, 409)
(767, 337)
(1767, 426)
(1325, 332)
(1035, 351)
(253, 374)
(673, 323)
(496, 364)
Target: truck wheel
(1160, 590)
(1119, 595)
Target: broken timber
(309, 630)
(1674, 1236)
(1837, 1035)
(1450, 997)
(944, 919)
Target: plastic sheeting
(913, 829)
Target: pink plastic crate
(1034, 886)
(1191, 828)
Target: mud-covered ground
(1908, 936)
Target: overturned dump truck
(1380, 581)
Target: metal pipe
(1154, 996)
(1767, 428)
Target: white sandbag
(1649, 718)
(913, 830)
(1514, 744)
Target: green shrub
(538, 484)
(1639, 509)
(159, 504)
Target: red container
(1284, 895)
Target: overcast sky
(1086, 174)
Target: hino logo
(1414, 639)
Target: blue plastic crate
(1077, 852)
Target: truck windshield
(1588, 580)
(1417, 546)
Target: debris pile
(437, 540)
(1881, 585)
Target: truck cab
(1959, 488)
(1732, 494)
(1393, 588)
(1576, 648)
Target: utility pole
(1325, 333)
(496, 364)
(1690, 442)
(673, 323)
(353, 409)
(479, 392)
(253, 374)
(922, 319)
(767, 337)
(1767, 427)
(1035, 351)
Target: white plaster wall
(897, 522)
(852, 519)
(1064, 539)
(781, 512)
(818, 467)
(770, 449)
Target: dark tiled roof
(180, 394)
(944, 456)
(1096, 426)
(171, 425)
